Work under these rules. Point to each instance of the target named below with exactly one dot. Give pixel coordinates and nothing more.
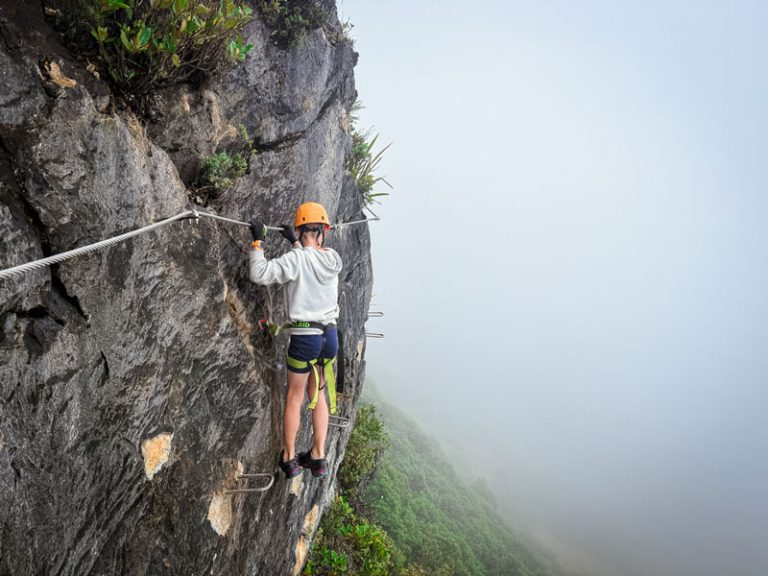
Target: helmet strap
(305, 229)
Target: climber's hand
(258, 230)
(288, 233)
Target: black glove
(258, 230)
(288, 233)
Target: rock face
(134, 383)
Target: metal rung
(375, 314)
(373, 335)
(249, 490)
(338, 421)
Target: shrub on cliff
(361, 161)
(221, 169)
(290, 20)
(349, 545)
(143, 45)
(366, 444)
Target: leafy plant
(142, 45)
(220, 170)
(362, 162)
(346, 32)
(237, 49)
(247, 140)
(290, 20)
(347, 544)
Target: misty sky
(574, 262)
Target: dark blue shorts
(310, 346)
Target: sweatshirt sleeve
(276, 271)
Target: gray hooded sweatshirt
(312, 275)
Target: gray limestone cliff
(134, 382)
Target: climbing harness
(326, 365)
(276, 329)
(330, 380)
(186, 215)
(264, 488)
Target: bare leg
(319, 416)
(292, 413)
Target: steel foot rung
(250, 490)
(338, 422)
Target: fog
(573, 265)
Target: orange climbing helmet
(311, 213)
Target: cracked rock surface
(134, 383)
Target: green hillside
(415, 516)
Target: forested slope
(415, 515)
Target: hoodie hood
(325, 263)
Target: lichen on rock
(156, 452)
(303, 544)
(301, 552)
(220, 513)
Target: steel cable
(187, 214)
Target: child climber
(312, 274)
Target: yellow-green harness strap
(330, 379)
(301, 364)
